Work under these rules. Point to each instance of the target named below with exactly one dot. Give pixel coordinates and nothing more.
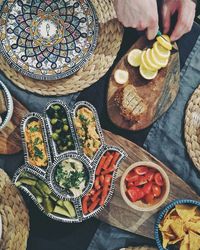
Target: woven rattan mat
(109, 41)
(14, 215)
(192, 127)
(139, 248)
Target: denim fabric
(166, 138)
(165, 141)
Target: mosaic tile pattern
(48, 39)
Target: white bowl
(140, 205)
(9, 103)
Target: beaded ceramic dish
(69, 171)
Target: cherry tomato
(132, 194)
(141, 181)
(130, 184)
(149, 198)
(156, 190)
(132, 176)
(150, 175)
(158, 179)
(141, 170)
(147, 187)
(140, 193)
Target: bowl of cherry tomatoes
(144, 186)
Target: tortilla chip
(194, 241)
(181, 225)
(185, 243)
(185, 212)
(166, 225)
(177, 227)
(172, 242)
(165, 240)
(195, 218)
(193, 226)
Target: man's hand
(139, 14)
(186, 14)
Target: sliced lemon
(144, 61)
(147, 74)
(134, 57)
(158, 61)
(121, 76)
(164, 41)
(160, 51)
(149, 61)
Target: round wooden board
(158, 94)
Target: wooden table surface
(117, 213)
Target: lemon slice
(121, 76)
(165, 42)
(160, 51)
(134, 57)
(149, 61)
(144, 61)
(158, 61)
(149, 75)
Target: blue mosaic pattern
(48, 39)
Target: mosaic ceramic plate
(50, 39)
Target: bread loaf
(131, 105)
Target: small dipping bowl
(140, 205)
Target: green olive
(56, 107)
(65, 128)
(69, 144)
(55, 136)
(54, 121)
(58, 131)
(64, 120)
(65, 148)
(59, 142)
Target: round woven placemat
(109, 41)
(14, 215)
(139, 248)
(192, 128)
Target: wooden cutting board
(117, 213)
(158, 94)
(10, 136)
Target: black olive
(61, 112)
(58, 124)
(50, 112)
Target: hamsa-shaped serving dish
(69, 171)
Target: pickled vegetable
(45, 197)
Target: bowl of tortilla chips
(178, 226)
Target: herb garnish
(38, 153)
(34, 129)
